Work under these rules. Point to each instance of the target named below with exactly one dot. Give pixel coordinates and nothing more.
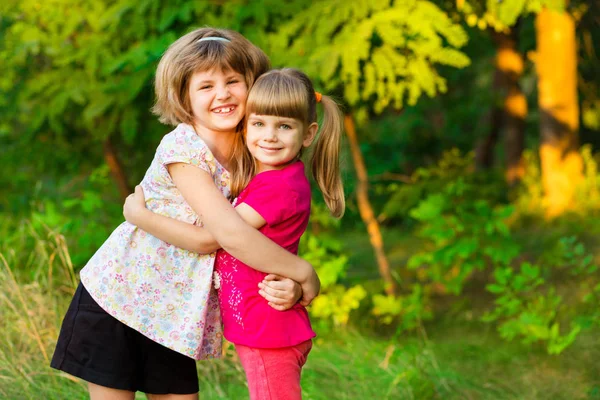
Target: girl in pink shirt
(281, 120)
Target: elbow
(200, 248)
(233, 246)
(228, 238)
(206, 248)
(234, 241)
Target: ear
(311, 132)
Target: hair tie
(217, 38)
(318, 97)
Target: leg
(97, 348)
(166, 374)
(98, 392)
(274, 374)
(172, 396)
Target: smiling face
(274, 141)
(217, 99)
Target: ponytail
(324, 161)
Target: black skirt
(100, 349)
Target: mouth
(270, 149)
(224, 110)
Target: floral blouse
(160, 290)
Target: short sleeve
(185, 147)
(275, 202)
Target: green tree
(556, 66)
(77, 80)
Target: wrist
(140, 216)
(308, 273)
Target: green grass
(461, 360)
(453, 357)
(490, 368)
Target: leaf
(495, 288)
(429, 208)
(99, 104)
(129, 124)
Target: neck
(260, 167)
(220, 143)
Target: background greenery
(453, 275)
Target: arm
(235, 236)
(281, 293)
(178, 233)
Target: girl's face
(218, 99)
(276, 141)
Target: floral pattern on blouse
(158, 289)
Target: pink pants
(274, 374)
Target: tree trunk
(365, 208)
(509, 111)
(484, 151)
(556, 63)
(509, 63)
(116, 169)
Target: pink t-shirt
(282, 198)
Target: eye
(257, 124)
(233, 81)
(285, 126)
(205, 87)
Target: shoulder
(294, 179)
(182, 136)
(289, 185)
(183, 145)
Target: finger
(273, 299)
(272, 277)
(278, 307)
(274, 293)
(305, 302)
(279, 285)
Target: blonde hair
(188, 55)
(289, 93)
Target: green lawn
(454, 357)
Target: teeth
(223, 110)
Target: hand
(281, 293)
(310, 288)
(135, 206)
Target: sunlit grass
(454, 357)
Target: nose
(270, 134)
(222, 92)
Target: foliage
(83, 71)
(528, 305)
(407, 312)
(529, 198)
(502, 14)
(589, 66)
(526, 311)
(467, 235)
(467, 230)
(452, 170)
(322, 248)
(375, 54)
(464, 232)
